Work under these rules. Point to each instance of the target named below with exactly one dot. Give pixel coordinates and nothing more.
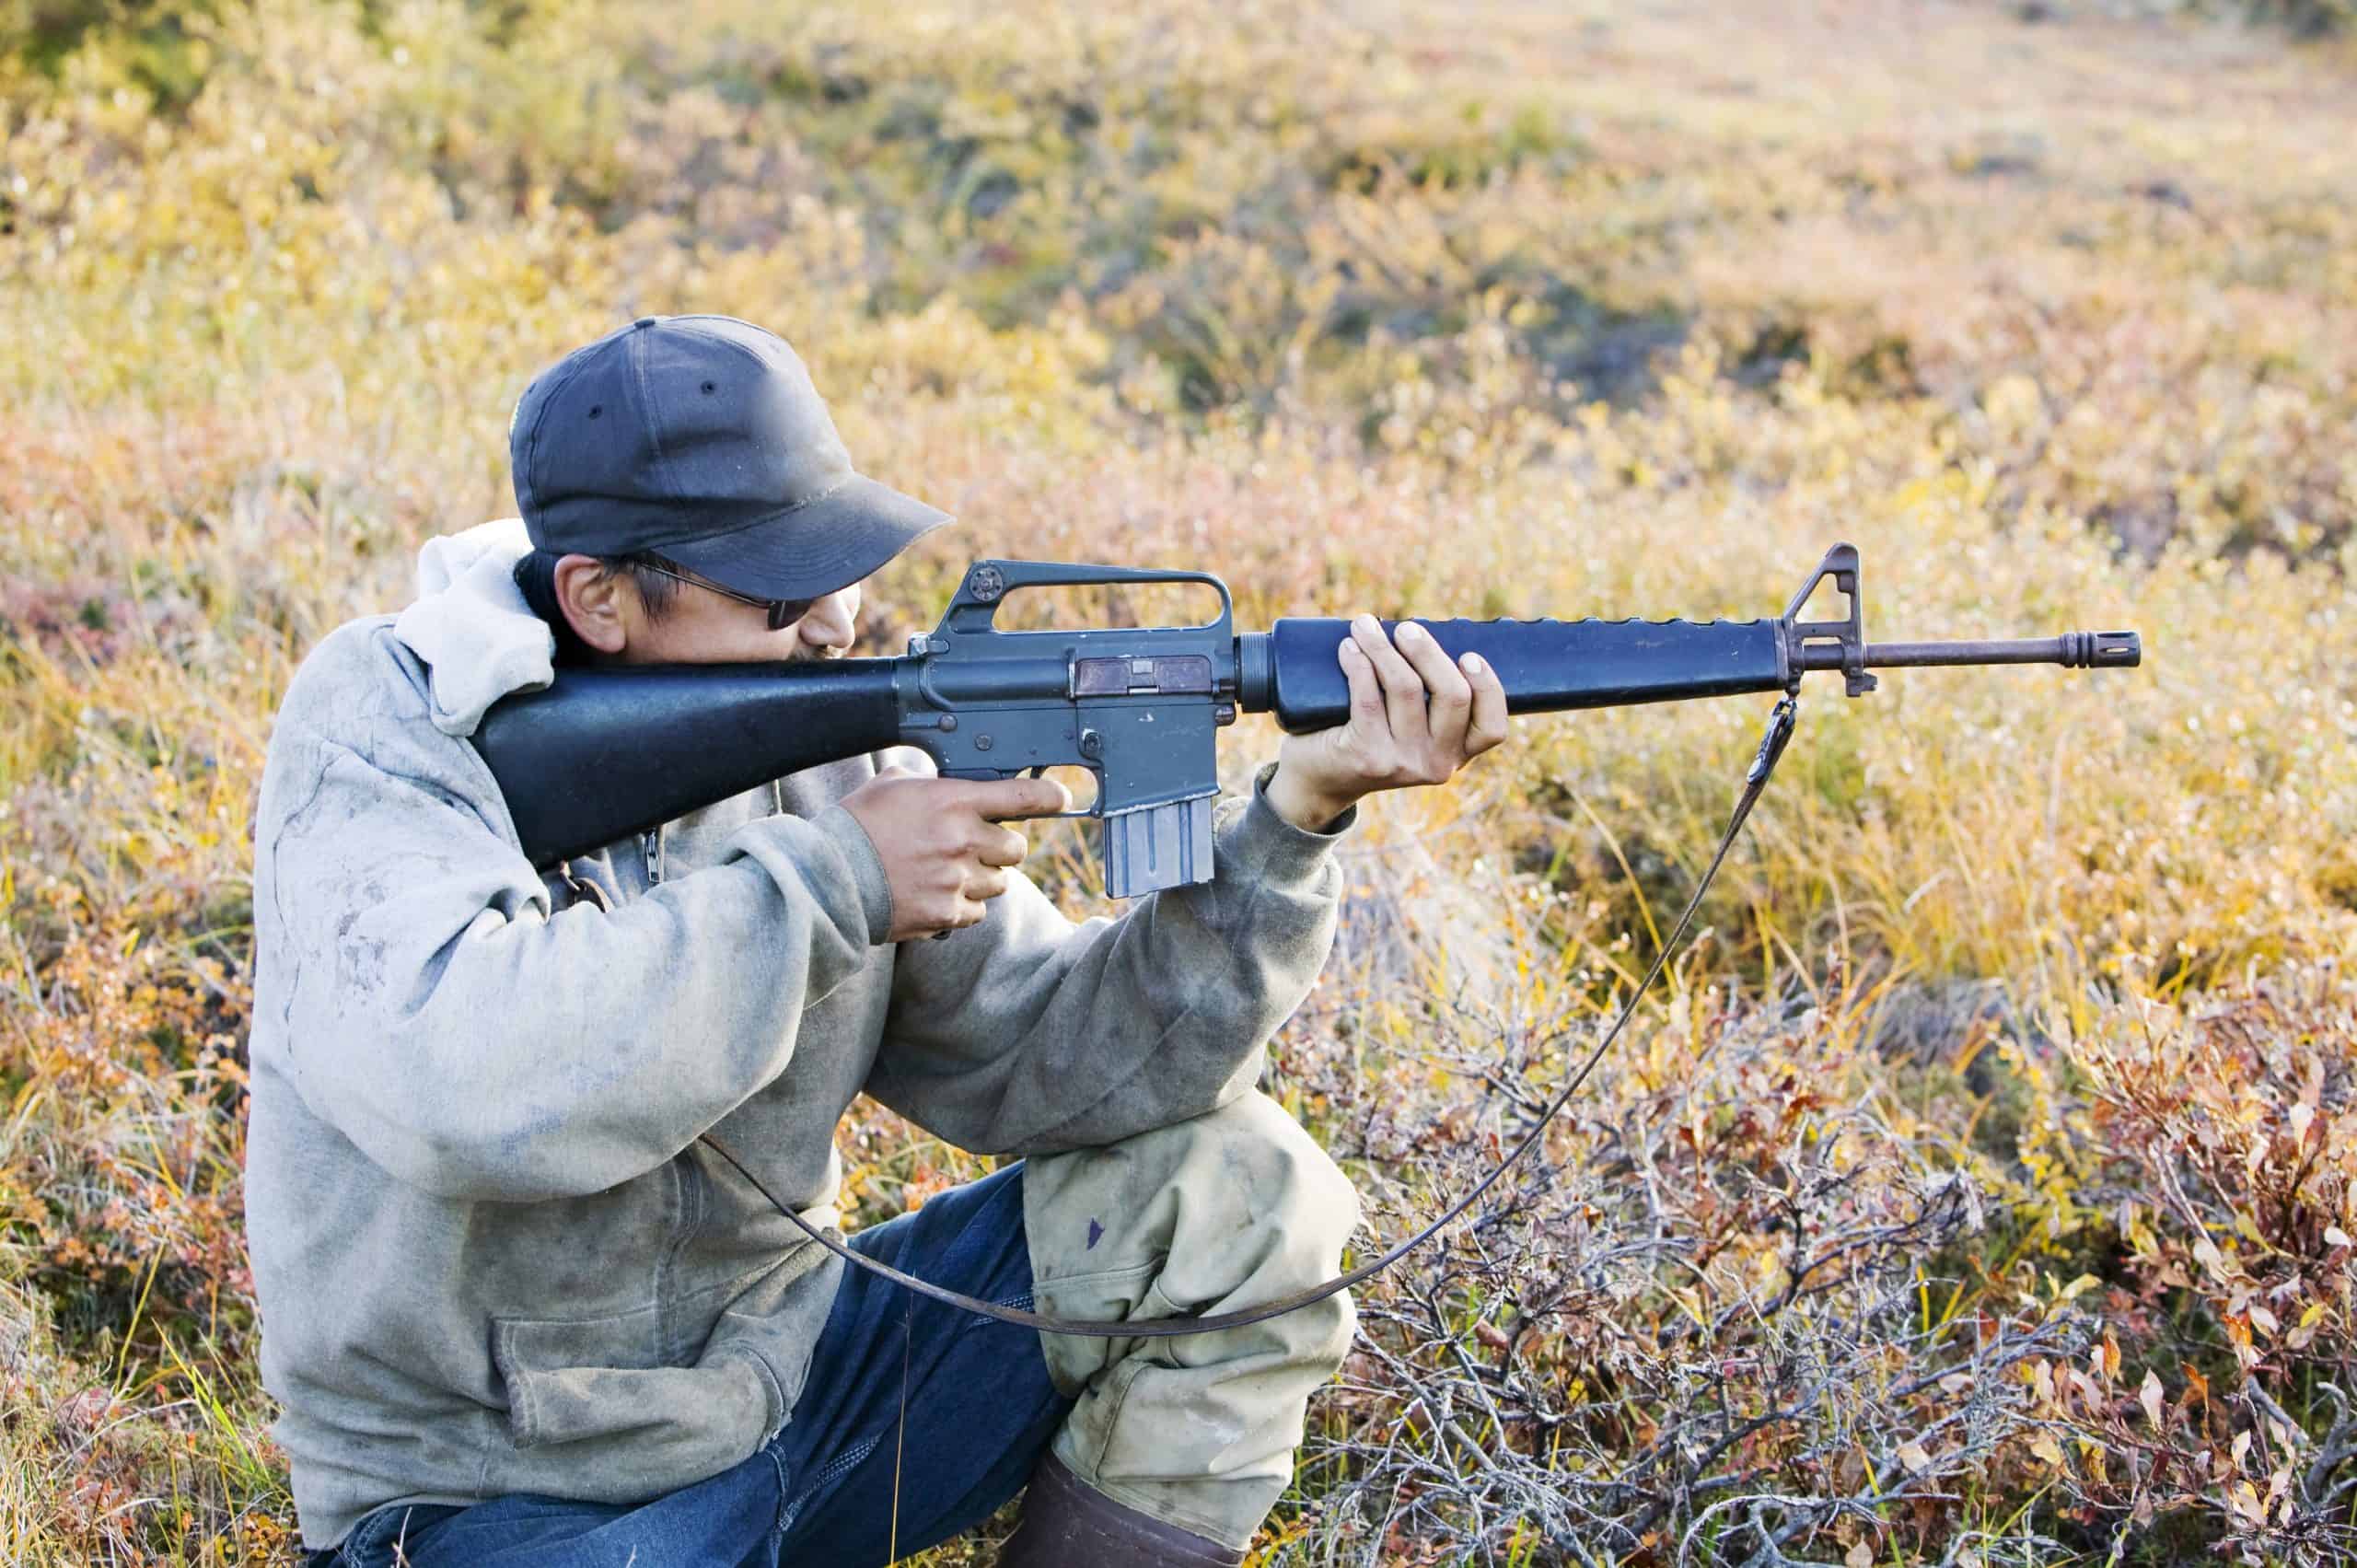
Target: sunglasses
(783, 612)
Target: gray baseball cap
(700, 438)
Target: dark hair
(536, 577)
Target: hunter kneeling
(516, 1314)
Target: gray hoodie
(490, 1257)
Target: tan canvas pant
(1225, 1211)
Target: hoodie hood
(471, 627)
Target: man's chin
(742, 656)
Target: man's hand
(944, 853)
(1415, 719)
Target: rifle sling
(1772, 747)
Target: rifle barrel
(2072, 650)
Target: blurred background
(1977, 1190)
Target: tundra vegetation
(1978, 1188)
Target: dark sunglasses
(784, 612)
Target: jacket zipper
(692, 1191)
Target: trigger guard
(1000, 775)
(1095, 812)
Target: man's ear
(592, 602)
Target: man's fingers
(1001, 846)
(1488, 727)
(1452, 697)
(1403, 689)
(1366, 692)
(945, 856)
(959, 910)
(1000, 799)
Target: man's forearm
(1310, 809)
(1029, 1034)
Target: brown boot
(1068, 1523)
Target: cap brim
(816, 548)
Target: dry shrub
(2220, 1129)
(1732, 1310)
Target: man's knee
(1237, 1205)
(1234, 1208)
(1272, 1175)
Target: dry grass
(1980, 1188)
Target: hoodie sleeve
(1029, 1034)
(416, 987)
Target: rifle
(605, 752)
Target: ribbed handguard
(1291, 670)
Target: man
(515, 1316)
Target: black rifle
(601, 754)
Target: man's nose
(827, 622)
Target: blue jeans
(980, 1408)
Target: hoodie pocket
(595, 1380)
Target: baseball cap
(701, 438)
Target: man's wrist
(1304, 807)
